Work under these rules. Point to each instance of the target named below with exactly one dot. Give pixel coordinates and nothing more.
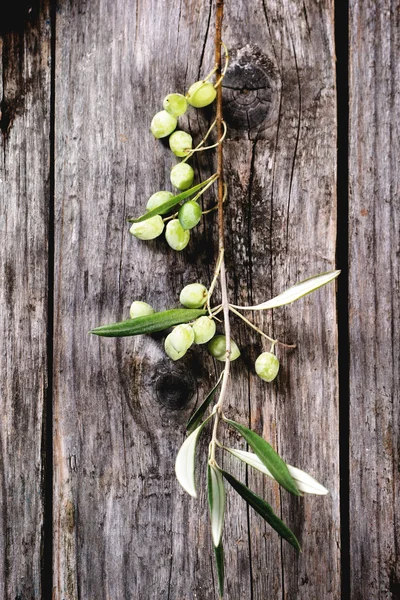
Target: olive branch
(196, 322)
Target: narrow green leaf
(219, 561)
(166, 206)
(198, 415)
(185, 460)
(149, 323)
(305, 482)
(263, 509)
(216, 501)
(297, 291)
(268, 456)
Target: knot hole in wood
(175, 386)
(251, 92)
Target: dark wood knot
(250, 90)
(175, 386)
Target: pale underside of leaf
(185, 461)
(216, 500)
(268, 456)
(295, 292)
(305, 482)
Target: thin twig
(203, 141)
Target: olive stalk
(250, 324)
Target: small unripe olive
(189, 214)
(204, 330)
(217, 348)
(140, 309)
(267, 366)
(163, 124)
(180, 143)
(201, 94)
(175, 104)
(182, 176)
(178, 342)
(149, 229)
(193, 295)
(157, 199)
(177, 237)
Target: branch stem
(221, 237)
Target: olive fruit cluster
(201, 331)
(200, 94)
(178, 342)
(177, 230)
(164, 123)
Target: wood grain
(374, 299)
(123, 528)
(24, 199)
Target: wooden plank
(374, 299)
(24, 198)
(123, 528)
(283, 216)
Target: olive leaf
(149, 323)
(304, 481)
(263, 509)
(219, 560)
(268, 456)
(295, 292)
(216, 501)
(197, 416)
(184, 463)
(166, 206)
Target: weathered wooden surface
(374, 299)
(24, 198)
(123, 528)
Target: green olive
(189, 214)
(163, 124)
(201, 94)
(217, 348)
(140, 309)
(178, 342)
(267, 366)
(177, 237)
(193, 295)
(182, 176)
(204, 330)
(157, 199)
(175, 104)
(149, 229)
(180, 143)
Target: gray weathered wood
(24, 198)
(374, 299)
(123, 528)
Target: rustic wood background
(90, 427)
